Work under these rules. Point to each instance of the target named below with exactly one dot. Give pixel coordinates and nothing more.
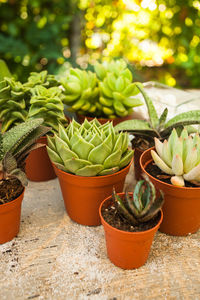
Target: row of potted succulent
(95, 157)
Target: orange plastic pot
(38, 164)
(10, 214)
(181, 209)
(127, 250)
(83, 195)
(115, 121)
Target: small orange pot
(181, 207)
(38, 164)
(10, 214)
(83, 195)
(115, 121)
(127, 250)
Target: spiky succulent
(140, 207)
(89, 149)
(15, 145)
(80, 91)
(46, 103)
(158, 126)
(179, 157)
(116, 89)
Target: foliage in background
(160, 37)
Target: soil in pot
(157, 173)
(10, 190)
(113, 218)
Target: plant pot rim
(127, 233)
(104, 118)
(93, 177)
(170, 186)
(12, 202)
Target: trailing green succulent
(157, 126)
(179, 157)
(89, 149)
(15, 96)
(80, 91)
(13, 103)
(140, 207)
(116, 89)
(46, 103)
(15, 145)
(41, 78)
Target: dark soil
(10, 190)
(141, 143)
(113, 218)
(153, 170)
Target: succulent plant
(179, 157)
(4, 70)
(42, 78)
(80, 91)
(116, 89)
(158, 126)
(15, 145)
(13, 103)
(140, 207)
(46, 103)
(89, 149)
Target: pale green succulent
(15, 145)
(89, 149)
(41, 78)
(116, 89)
(46, 103)
(179, 157)
(80, 91)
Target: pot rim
(102, 118)
(12, 202)
(127, 233)
(170, 186)
(93, 177)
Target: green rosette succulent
(116, 89)
(179, 157)
(80, 91)
(89, 149)
(140, 207)
(15, 145)
(46, 103)
(13, 103)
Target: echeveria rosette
(89, 149)
(140, 207)
(80, 91)
(116, 89)
(46, 103)
(179, 157)
(13, 103)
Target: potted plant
(106, 94)
(15, 145)
(130, 221)
(175, 169)
(45, 103)
(157, 126)
(89, 159)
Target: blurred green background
(160, 39)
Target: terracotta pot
(127, 250)
(116, 121)
(83, 195)
(181, 208)
(10, 214)
(38, 164)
